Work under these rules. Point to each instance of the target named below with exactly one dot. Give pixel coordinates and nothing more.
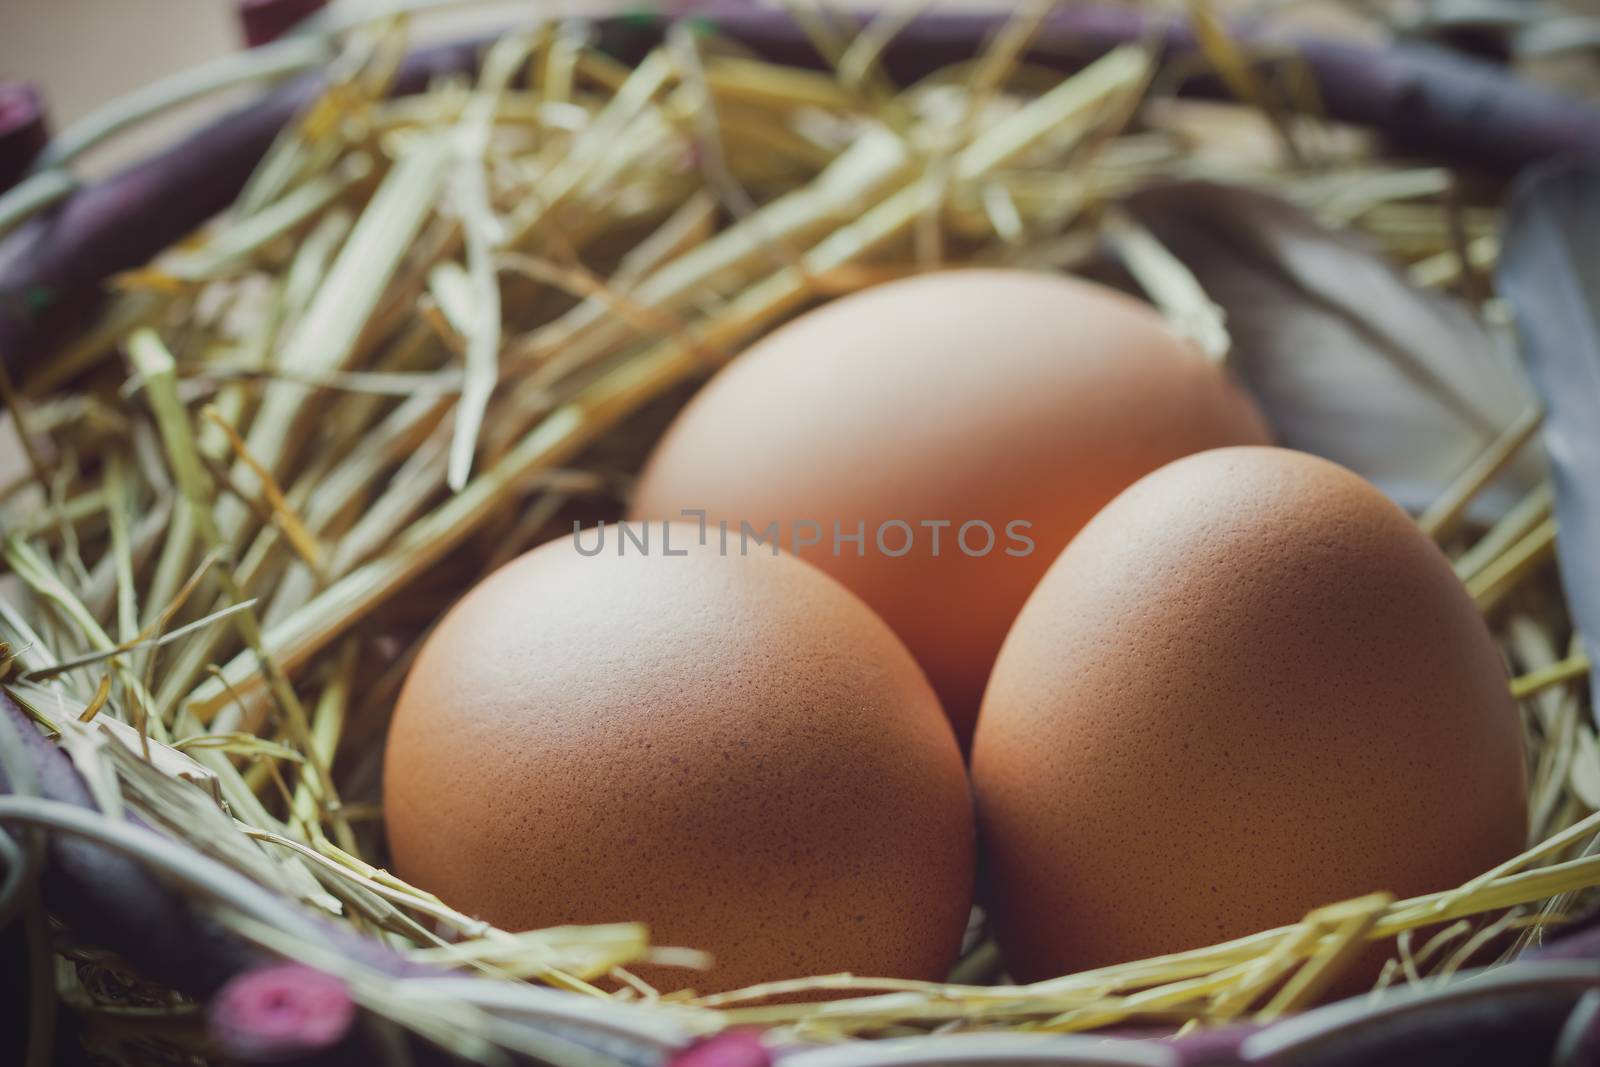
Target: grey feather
(1550, 273)
(1348, 359)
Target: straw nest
(433, 329)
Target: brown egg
(1250, 687)
(983, 397)
(733, 749)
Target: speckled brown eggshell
(990, 395)
(1250, 687)
(732, 749)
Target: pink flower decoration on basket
(736, 1048)
(280, 1012)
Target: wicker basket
(175, 917)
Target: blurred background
(85, 52)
